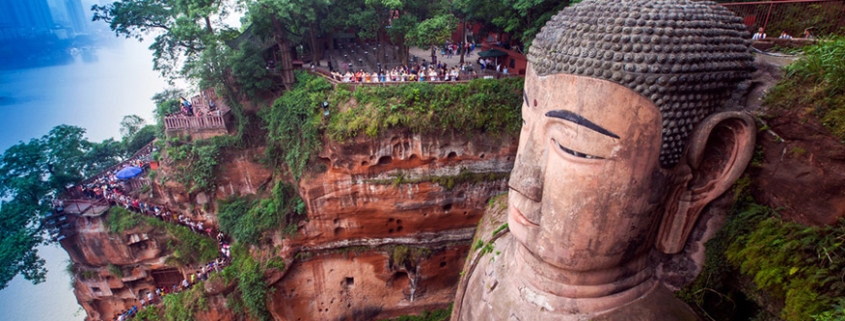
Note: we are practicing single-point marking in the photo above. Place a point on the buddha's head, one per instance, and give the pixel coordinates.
(628, 131)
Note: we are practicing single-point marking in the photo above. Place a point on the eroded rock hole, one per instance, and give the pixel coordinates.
(452, 155)
(447, 207)
(482, 156)
(399, 229)
(399, 280)
(390, 231)
(349, 281)
(443, 264)
(385, 160)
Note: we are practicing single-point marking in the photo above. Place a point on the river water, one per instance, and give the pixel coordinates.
(94, 93)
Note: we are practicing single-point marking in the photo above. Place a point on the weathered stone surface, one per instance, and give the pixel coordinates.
(366, 286)
(622, 148)
(800, 168)
(360, 197)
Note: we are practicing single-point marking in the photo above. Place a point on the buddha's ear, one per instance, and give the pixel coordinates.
(718, 151)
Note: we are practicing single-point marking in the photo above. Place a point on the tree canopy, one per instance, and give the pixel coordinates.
(31, 175)
(183, 29)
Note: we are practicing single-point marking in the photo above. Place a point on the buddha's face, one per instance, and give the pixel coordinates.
(587, 181)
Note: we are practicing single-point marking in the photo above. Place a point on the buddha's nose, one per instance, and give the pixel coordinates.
(527, 175)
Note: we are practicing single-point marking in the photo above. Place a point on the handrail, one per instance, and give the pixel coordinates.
(463, 79)
(146, 150)
(194, 122)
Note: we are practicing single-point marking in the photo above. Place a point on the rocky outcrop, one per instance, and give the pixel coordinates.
(388, 187)
(113, 272)
(800, 168)
(425, 192)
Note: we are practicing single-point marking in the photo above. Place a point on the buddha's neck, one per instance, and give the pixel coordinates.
(583, 291)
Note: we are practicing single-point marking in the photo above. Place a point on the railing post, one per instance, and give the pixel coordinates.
(766, 23)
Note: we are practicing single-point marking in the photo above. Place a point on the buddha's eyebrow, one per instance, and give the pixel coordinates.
(578, 119)
(525, 96)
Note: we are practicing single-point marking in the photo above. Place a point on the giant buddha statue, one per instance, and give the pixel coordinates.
(630, 128)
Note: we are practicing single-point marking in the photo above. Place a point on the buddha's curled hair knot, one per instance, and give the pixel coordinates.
(688, 57)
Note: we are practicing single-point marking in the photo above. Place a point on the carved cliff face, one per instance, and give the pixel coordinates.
(587, 180)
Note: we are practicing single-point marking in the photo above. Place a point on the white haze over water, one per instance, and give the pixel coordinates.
(94, 95)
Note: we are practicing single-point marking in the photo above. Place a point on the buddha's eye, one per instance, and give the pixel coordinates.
(574, 153)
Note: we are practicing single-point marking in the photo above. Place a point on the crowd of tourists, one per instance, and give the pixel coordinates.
(156, 296)
(450, 49)
(404, 73)
(187, 108)
(109, 188)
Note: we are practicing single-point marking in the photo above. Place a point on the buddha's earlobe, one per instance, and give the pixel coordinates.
(718, 151)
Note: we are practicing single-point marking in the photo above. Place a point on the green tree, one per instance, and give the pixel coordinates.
(167, 102)
(183, 29)
(143, 137)
(522, 19)
(31, 175)
(433, 32)
(284, 21)
(248, 67)
(130, 125)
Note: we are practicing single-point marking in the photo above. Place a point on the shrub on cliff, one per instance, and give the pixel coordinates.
(816, 82)
(188, 248)
(184, 305)
(480, 106)
(792, 267)
(197, 162)
(293, 122)
(251, 220)
(250, 295)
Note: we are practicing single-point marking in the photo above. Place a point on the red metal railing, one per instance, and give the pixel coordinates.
(822, 17)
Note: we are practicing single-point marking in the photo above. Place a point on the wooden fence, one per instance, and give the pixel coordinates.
(194, 122)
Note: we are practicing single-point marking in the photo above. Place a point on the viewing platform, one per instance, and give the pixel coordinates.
(464, 78)
(209, 119)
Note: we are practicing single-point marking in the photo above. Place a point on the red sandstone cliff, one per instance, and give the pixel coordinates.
(368, 199)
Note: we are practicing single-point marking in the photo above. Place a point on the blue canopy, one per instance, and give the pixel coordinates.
(129, 172)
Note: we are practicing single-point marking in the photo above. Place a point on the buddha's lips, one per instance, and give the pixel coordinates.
(519, 218)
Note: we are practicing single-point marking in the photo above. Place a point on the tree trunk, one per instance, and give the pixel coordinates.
(381, 46)
(208, 25)
(315, 50)
(286, 58)
(331, 42)
(463, 48)
(433, 53)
